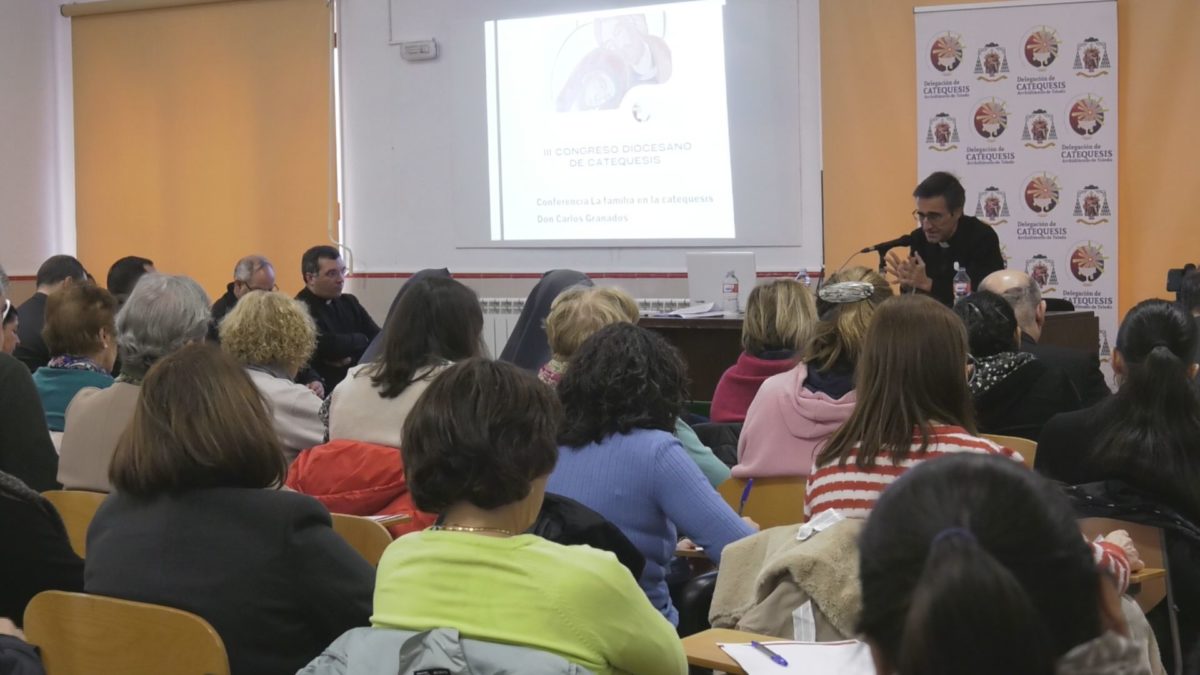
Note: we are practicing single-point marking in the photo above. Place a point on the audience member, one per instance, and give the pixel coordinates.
(1148, 434)
(376, 347)
(1014, 391)
(950, 585)
(124, 275)
(27, 452)
(162, 314)
(479, 446)
(1025, 296)
(527, 345)
(796, 411)
(574, 315)
(81, 337)
(37, 555)
(579, 312)
(914, 405)
(779, 318)
(10, 324)
(344, 328)
(437, 322)
(272, 336)
(197, 522)
(252, 273)
(618, 455)
(55, 274)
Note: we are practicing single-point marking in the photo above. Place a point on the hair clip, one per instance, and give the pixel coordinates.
(844, 292)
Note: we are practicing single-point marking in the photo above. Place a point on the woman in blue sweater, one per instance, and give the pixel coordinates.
(619, 457)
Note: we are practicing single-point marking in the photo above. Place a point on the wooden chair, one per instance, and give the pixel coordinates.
(1022, 446)
(77, 508)
(772, 501)
(364, 535)
(81, 634)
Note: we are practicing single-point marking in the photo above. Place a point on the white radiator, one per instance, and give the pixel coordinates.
(500, 316)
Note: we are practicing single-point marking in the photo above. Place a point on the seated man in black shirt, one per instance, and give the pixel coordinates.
(945, 236)
(344, 328)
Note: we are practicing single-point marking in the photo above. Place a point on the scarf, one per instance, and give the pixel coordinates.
(76, 363)
(992, 370)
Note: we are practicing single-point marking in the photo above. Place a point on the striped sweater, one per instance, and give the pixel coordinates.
(853, 491)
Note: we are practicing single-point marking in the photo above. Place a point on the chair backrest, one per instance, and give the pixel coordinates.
(364, 535)
(1150, 545)
(1022, 446)
(772, 501)
(77, 508)
(82, 634)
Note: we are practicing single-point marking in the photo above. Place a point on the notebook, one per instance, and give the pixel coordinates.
(812, 658)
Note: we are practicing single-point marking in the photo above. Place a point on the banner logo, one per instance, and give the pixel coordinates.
(946, 52)
(942, 133)
(1086, 115)
(1087, 262)
(1091, 58)
(1041, 270)
(1091, 206)
(1041, 47)
(991, 118)
(1039, 132)
(1042, 193)
(991, 206)
(991, 62)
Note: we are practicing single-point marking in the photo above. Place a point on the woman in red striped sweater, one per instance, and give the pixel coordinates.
(914, 405)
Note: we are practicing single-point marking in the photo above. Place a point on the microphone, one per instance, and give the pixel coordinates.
(905, 240)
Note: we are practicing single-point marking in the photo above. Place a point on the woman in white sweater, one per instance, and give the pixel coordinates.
(272, 336)
(438, 321)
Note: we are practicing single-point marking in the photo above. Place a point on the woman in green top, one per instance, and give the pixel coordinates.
(80, 333)
(478, 447)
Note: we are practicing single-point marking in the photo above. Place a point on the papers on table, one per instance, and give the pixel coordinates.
(812, 658)
(701, 310)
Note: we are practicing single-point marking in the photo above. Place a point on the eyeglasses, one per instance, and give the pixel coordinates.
(7, 308)
(933, 217)
(335, 273)
(971, 369)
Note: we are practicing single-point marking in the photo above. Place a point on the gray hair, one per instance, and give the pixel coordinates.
(3, 282)
(246, 267)
(1024, 299)
(162, 314)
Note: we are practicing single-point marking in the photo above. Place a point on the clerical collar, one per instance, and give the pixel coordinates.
(944, 244)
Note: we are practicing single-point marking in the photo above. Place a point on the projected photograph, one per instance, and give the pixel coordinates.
(620, 53)
(609, 125)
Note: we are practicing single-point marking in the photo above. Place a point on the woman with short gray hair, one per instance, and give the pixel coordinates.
(162, 314)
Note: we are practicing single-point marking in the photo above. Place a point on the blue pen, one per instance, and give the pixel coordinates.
(779, 660)
(745, 496)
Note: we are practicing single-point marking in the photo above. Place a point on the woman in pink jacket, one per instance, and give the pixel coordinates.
(796, 411)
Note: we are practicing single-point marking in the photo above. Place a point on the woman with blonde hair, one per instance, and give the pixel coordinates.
(273, 336)
(197, 521)
(779, 318)
(796, 411)
(574, 315)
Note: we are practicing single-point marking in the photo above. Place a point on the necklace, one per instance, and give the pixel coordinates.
(464, 528)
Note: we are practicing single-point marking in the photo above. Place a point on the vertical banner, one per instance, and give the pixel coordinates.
(1019, 100)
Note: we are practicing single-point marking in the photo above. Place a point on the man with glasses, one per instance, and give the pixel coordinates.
(252, 273)
(945, 236)
(344, 328)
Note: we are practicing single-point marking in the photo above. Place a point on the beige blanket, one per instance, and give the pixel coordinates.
(767, 577)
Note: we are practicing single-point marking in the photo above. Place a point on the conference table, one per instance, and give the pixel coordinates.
(709, 346)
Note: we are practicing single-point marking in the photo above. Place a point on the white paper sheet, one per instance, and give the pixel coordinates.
(810, 658)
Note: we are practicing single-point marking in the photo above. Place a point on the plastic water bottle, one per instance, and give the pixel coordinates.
(962, 283)
(803, 277)
(729, 293)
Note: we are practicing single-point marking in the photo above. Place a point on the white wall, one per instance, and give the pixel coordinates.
(37, 207)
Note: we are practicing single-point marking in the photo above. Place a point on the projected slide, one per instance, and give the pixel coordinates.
(609, 125)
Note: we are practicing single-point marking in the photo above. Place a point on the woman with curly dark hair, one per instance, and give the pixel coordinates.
(619, 457)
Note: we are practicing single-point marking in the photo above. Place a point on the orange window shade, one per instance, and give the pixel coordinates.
(202, 134)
